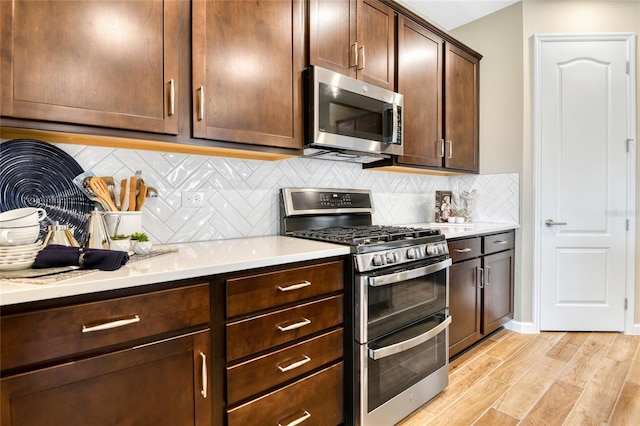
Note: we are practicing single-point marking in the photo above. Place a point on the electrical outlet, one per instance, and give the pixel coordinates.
(192, 198)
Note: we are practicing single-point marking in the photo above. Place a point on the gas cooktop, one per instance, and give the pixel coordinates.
(365, 234)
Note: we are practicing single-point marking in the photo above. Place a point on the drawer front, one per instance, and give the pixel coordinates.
(266, 372)
(262, 332)
(263, 291)
(315, 400)
(54, 333)
(464, 249)
(498, 242)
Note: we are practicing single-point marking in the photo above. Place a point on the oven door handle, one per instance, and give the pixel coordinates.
(409, 343)
(408, 274)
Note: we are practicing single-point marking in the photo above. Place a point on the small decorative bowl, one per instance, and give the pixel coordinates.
(120, 245)
(141, 247)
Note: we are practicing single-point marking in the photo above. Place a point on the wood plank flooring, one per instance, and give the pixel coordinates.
(551, 378)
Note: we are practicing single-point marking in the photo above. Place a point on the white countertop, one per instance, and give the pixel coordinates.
(192, 260)
(200, 259)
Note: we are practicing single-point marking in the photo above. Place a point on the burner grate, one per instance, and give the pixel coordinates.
(366, 234)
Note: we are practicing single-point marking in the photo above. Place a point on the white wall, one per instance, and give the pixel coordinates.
(537, 17)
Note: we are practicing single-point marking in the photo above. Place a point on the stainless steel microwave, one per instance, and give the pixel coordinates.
(350, 118)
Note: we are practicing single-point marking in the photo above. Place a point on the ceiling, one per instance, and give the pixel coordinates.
(450, 14)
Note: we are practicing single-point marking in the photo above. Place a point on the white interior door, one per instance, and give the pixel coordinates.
(583, 99)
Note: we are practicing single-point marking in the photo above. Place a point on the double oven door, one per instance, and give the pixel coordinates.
(401, 349)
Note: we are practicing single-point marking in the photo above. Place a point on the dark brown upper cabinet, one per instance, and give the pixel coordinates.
(439, 82)
(354, 38)
(248, 59)
(102, 63)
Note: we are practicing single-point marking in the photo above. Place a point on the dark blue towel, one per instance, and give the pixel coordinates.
(58, 255)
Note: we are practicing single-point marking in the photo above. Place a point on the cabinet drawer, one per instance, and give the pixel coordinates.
(263, 291)
(54, 333)
(262, 332)
(317, 398)
(498, 242)
(464, 249)
(259, 374)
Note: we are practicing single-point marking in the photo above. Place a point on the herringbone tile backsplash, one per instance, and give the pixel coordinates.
(241, 196)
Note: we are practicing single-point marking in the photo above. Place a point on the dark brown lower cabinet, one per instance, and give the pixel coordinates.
(480, 288)
(162, 383)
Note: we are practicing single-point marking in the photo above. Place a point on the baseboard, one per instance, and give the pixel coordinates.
(521, 327)
(635, 330)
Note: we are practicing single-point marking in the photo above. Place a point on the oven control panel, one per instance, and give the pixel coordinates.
(398, 256)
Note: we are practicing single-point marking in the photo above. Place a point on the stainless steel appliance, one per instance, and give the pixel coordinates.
(397, 315)
(348, 119)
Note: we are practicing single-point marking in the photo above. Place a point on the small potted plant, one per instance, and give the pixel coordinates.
(140, 243)
(120, 243)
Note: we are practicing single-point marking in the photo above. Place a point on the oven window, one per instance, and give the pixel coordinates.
(349, 114)
(389, 376)
(394, 306)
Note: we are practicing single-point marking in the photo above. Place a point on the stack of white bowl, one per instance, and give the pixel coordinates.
(19, 231)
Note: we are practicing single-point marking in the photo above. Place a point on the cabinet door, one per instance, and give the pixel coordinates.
(420, 81)
(461, 109)
(332, 35)
(376, 43)
(102, 63)
(498, 290)
(164, 383)
(248, 60)
(464, 305)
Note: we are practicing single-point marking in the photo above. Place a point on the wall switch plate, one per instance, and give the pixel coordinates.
(193, 198)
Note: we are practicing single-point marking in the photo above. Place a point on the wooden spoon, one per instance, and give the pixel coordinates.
(133, 185)
(141, 196)
(100, 188)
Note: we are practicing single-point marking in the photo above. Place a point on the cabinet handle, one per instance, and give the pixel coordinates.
(441, 143)
(303, 284)
(464, 250)
(450, 149)
(362, 58)
(354, 55)
(108, 324)
(488, 268)
(480, 284)
(500, 242)
(295, 325)
(201, 104)
(297, 421)
(203, 391)
(172, 97)
(294, 365)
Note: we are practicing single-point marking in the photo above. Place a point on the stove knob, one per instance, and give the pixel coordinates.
(411, 253)
(432, 249)
(391, 257)
(444, 248)
(378, 260)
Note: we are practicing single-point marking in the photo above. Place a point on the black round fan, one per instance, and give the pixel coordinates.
(38, 174)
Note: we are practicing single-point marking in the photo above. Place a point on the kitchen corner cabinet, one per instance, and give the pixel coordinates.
(480, 287)
(114, 361)
(284, 345)
(106, 63)
(440, 83)
(354, 38)
(247, 60)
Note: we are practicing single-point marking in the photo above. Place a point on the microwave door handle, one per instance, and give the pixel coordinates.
(408, 274)
(394, 135)
(409, 343)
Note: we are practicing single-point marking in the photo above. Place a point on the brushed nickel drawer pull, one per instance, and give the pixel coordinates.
(108, 324)
(354, 54)
(172, 97)
(464, 250)
(303, 284)
(361, 67)
(441, 143)
(450, 149)
(205, 377)
(488, 268)
(500, 242)
(295, 325)
(305, 416)
(201, 104)
(294, 365)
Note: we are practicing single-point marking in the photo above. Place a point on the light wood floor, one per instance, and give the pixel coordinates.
(544, 379)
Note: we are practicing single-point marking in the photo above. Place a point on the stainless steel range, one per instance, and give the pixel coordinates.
(397, 315)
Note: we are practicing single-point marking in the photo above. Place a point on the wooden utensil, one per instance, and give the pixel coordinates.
(101, 190)
(141, 196)
(133, 185)
(124, 197)
(111, 184)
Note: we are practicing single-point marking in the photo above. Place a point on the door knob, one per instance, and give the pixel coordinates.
(550, 222)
